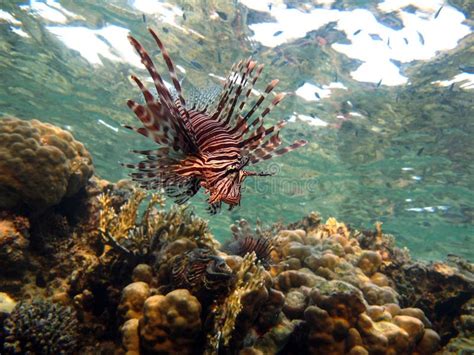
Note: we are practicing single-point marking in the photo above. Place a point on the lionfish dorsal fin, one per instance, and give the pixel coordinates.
(162, 118)
(163, 92)
(170, 65)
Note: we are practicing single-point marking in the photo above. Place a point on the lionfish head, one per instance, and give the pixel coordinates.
(227, 189)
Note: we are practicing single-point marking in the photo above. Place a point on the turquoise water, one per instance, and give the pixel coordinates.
(383, 94)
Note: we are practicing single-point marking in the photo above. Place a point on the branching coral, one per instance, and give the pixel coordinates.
(332, 226)
(123, 230)
(41, 327)
(226, 313)
(139, 237)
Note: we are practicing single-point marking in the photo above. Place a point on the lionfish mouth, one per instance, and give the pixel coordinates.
(199, 140)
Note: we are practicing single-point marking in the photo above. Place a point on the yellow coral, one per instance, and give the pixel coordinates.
(228, 311)
(115, 227)
(169, 225)
(332, 226)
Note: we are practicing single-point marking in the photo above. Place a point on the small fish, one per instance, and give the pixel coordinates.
(437, 12)
(451, 87)
(388, 43)
(406, 41)
(165, 29)
(336, 77)
(222, 15)
(467, 69)
(275, 59)
(270, 7)
(105, 40)
(277, 33)
(317, 95)
(184, 16)
(357, 32)
(144, 18)
(379, 83)
(420, 151)
(196, 65)
(375, 37)
(422, 39)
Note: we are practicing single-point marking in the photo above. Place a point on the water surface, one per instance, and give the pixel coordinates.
(383, 93)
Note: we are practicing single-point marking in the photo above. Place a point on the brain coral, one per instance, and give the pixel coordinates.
(39, 164)
(170, 324)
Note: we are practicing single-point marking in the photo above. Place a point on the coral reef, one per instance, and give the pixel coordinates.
(237, 311)
(146, 278)
(171, 323)
(463, 343)
(440, 289)
(201, 272)
(245, 241)
(41, 327)
(14, 243)
(40, 164)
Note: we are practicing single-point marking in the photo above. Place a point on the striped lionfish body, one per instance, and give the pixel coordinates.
(202, 147)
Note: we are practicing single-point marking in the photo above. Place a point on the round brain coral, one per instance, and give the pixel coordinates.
(39, 164)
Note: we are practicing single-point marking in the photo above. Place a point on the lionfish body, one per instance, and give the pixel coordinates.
(201, 147)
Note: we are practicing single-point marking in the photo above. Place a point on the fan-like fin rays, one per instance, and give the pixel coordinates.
(200, 148)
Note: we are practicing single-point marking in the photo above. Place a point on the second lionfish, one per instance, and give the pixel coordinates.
(199, 146)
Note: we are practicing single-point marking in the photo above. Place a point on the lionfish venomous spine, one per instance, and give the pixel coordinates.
(200, 146)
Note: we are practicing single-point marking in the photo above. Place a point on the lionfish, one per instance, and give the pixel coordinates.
(200, 146)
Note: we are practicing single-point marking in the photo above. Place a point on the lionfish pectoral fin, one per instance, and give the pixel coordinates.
(214, 208)
(258, 173)
(183, 191)
(267, 153)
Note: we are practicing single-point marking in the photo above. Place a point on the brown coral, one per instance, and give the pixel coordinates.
(39, 164)
(171, 324)
(14, 242)
(133, 298)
